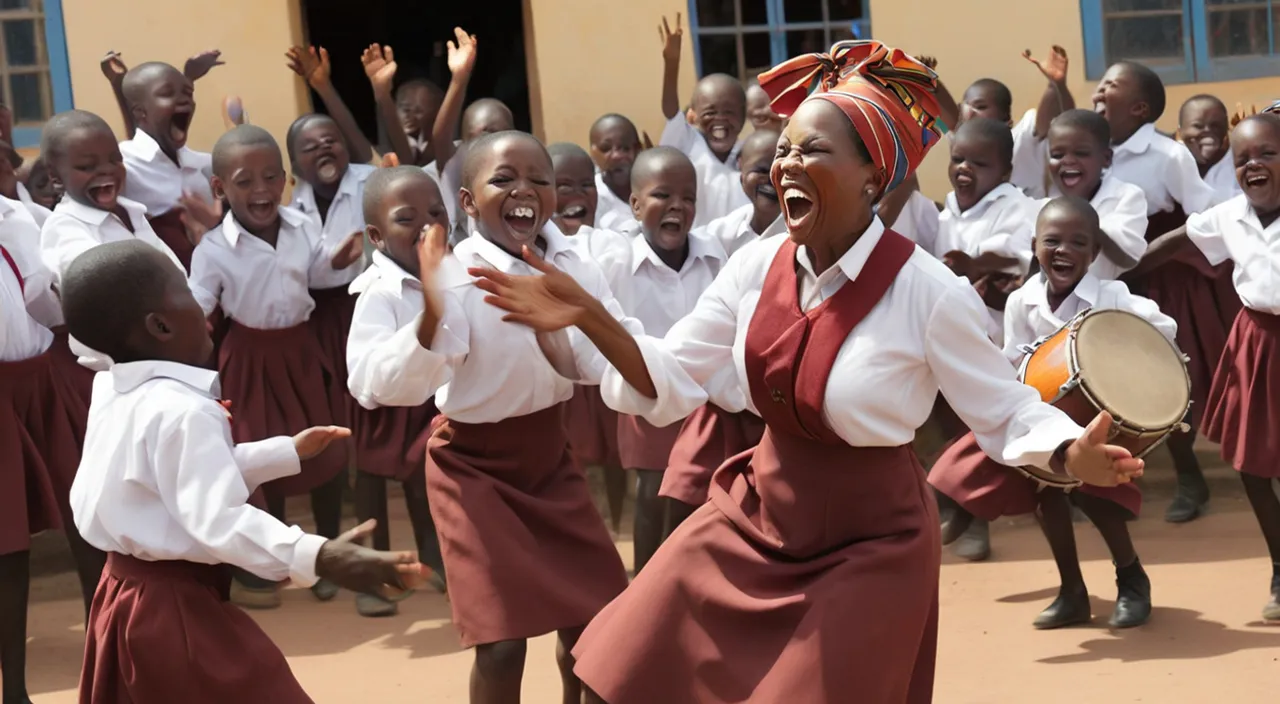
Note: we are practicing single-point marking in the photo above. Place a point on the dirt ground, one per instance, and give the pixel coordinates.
(1205, 640)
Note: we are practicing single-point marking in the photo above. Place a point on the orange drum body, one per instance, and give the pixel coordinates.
(1114, 361)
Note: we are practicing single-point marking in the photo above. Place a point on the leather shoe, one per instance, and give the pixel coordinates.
(1069, 609)
(974, 544)
(1133, 602)
(1187, 505)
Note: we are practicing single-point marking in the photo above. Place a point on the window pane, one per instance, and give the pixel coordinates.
(1110, 6)
(20, 42)
(715, 13)
(15, 4)
(755, 12)
(1237, 31)
(842, 32)
(802, 10)
(757, 53)
(719, 54)
(805, 41)
(1154, 39)
(844, 9)
(28, 102)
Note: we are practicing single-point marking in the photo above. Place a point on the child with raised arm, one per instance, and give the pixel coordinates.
(408, 112)
(710, 140)
(163, 489)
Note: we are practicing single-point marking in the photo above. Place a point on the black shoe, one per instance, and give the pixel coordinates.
(1271, 612)
(1133, 602)
(324, 590)
(974, 544)
(1188, 504)
(955, 524)
(1069, 609)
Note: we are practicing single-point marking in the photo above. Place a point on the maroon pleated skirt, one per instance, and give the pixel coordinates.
(42, 422)
(989, 490)
(391, 442)
(173, 233)
(642, 445)
(276, 381)
(68, 366)
(1243, 413)
(164, 632)
(708, 437)
(331, 323)
(524, 546)
(592, 428)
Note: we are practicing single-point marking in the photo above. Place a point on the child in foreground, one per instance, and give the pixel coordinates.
(164, 490)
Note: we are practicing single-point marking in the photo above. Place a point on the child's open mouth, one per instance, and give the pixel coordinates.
(574, 212)
(1100, 107)
(327, 169)
(1071, 177)
(179, 124)
(103, 194)
(1256, 180)
(672, 224)
(261, 209)
(1062, 266)
(522, 220)
(963, 180)
(718, 132)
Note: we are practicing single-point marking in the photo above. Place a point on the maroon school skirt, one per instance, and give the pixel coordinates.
(275, 380)
(989, 490)
(68, 366)
(42, 423)
(164, 632)
(173, 233)
(592, 428)
(331, 322)
(391, 442)
(642, 445)
(1243, 413)
(708, 437)
(524, 546)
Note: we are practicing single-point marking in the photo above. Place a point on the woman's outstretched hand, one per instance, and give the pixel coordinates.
(546, 302)
(1091, 460)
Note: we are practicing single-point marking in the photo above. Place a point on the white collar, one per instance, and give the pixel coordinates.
(97, 216)
(1087, 290)
(231, 228)
(699, 248)
(852, 261)
(1239, 210)
(304, 194)
(130, 375)
(1003, 190)
(478, 246)
(146, 147)
(1140, 141)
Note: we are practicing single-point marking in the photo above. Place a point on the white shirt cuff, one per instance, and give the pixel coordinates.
(1036, 447)
(305, 552)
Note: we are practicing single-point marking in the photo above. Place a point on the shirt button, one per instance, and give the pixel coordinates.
(778, 397)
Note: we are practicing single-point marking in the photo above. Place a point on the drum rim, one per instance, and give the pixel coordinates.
(1077, 379)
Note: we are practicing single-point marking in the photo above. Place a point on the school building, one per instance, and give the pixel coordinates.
(562, 63)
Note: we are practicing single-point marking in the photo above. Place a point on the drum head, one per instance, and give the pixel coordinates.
(1131, 370)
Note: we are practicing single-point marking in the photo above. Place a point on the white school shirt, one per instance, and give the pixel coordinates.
(1232, 231)
(75, 228)
(38, 212)
(1122, 214)
(259, 286)
(1028, 317)
(1002, 221)
(24, 332)
(719, 182)
(732, 231)
(160, 478)
(1164, 170)
(480, 368)
(449, 180)
(613, 213)
(598, 242)
(1221, 177)
(918, 221)
(1030, 157)
(654, 293)
(927, 333)
(346, 215)
(156, 182)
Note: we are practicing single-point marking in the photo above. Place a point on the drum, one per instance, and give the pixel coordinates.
(1114, 361)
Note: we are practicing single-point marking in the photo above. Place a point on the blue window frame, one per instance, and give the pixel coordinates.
(1185, 41)
(744, 37)
(35, 78)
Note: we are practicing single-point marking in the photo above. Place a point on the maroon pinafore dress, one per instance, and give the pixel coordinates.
(708, 437)
(812, 574)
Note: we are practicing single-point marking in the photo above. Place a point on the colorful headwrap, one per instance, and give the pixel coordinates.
(888, 96)
(1273, 108)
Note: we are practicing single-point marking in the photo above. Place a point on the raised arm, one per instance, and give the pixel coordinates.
(313, 67)
(671, 45)
(114, 69)
(462, 60)
(948, 109)
(1057, 96)
(380, 66)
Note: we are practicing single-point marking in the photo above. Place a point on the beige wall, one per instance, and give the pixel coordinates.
(252, 35)
(987, 38)
(591, 57)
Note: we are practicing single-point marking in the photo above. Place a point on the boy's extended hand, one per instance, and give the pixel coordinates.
(1054, 68)
(349, 252)
(380, 66)
(462, 54)
(313, 66)
(314, 440)
(200, 64)
(113, 67)
(389, 574)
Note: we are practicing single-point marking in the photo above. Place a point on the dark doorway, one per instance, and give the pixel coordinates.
(418, 30)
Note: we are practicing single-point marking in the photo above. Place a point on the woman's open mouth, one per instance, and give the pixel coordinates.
(797, 204)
